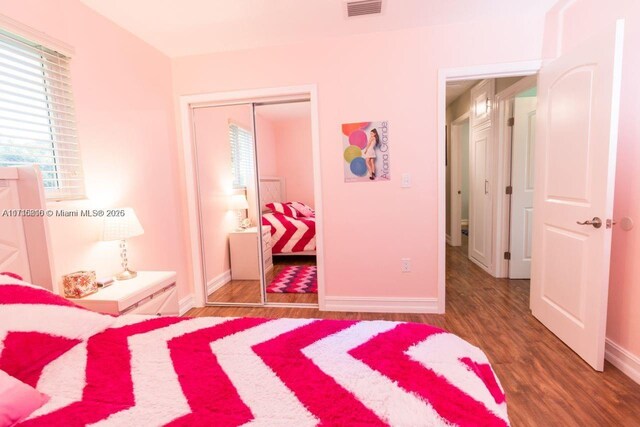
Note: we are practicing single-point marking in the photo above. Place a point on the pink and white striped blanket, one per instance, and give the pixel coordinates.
(150, 371)
(290, 235)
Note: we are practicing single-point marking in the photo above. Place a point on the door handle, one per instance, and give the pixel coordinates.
(485, 187)
(596, 222)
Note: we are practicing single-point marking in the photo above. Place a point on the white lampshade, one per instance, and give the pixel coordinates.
(238, 202)
(122, 227)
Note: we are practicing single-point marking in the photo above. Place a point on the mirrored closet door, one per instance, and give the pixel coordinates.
(254, 173)
(285, 158)
(228, 203)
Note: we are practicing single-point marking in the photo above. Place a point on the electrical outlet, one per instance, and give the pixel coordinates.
(406, 180)
(405, 265)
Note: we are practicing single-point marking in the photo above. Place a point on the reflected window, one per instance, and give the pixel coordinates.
(241, 155)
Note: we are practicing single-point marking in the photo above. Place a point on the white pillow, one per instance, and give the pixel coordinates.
(304, 210)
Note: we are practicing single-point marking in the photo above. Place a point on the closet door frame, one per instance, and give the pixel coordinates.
(187, 103)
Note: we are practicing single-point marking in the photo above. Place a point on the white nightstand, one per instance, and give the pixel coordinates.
(243, 245)
(151, 292)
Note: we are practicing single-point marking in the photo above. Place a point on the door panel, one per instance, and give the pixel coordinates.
(569, 118)
(522, 182)
(564, 281)
(577, 121)
(480, 197)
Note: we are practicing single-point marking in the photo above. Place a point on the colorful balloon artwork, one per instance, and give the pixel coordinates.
(348, 128)
(351, 152)
(358, 166)
(357, 141)
(358, 138)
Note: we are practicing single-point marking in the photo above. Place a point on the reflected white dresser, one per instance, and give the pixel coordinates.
(150, 292)
(243, 246)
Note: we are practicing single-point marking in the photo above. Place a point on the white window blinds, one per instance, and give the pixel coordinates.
(37, 121)
(241, 155)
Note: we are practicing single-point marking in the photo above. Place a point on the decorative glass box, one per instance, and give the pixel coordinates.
(80, 284)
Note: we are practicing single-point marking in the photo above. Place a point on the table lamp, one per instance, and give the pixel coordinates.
(122, 228)
(239, 203)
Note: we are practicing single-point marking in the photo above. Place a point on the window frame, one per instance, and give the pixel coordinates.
(25, 58)
(236, 185)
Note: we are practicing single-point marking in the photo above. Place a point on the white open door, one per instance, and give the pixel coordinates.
(577, 122)
(522, 184)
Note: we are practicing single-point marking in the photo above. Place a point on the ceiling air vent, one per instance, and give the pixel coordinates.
(363, 7)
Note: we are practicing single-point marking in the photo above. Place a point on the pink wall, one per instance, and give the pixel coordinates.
(380, 76)
(284, 149)
(266, 142)
(126, 129)
(582, 19)
(295, 158)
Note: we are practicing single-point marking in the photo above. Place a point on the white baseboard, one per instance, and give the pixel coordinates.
(219, 281)
(623, 359)
(464, 222)
(381, 304)
(186, 304)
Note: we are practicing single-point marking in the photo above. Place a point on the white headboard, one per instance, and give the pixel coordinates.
(24, 239)
(272, 189)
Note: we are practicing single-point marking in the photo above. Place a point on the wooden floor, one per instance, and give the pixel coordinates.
(248, 291)
(545, 382)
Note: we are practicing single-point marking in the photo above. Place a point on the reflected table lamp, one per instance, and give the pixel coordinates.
(122, 228)
(239, 204)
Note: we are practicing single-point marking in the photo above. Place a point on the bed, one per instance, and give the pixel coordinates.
(290, 235)
(86, 368)
(103, 370)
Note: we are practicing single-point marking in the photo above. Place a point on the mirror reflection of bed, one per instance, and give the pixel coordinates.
(292, 239)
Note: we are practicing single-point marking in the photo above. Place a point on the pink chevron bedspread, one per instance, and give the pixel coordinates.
(290, 235)
(150, 371)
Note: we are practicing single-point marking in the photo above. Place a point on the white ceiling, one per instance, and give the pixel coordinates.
(455, 89)
(189, 27)
(281, 112)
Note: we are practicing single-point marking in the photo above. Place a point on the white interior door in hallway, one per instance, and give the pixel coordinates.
(480, 166)
(522, 182)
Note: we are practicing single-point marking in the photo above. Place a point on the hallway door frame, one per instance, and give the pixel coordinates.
(504, 108)
(480, 72)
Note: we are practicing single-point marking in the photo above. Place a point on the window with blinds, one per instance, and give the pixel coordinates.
(37, 121)
(241, 155)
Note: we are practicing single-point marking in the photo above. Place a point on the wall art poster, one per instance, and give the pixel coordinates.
(366, 151)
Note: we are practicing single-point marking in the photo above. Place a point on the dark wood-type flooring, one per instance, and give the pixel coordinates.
(545, 382)
(248, 291)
